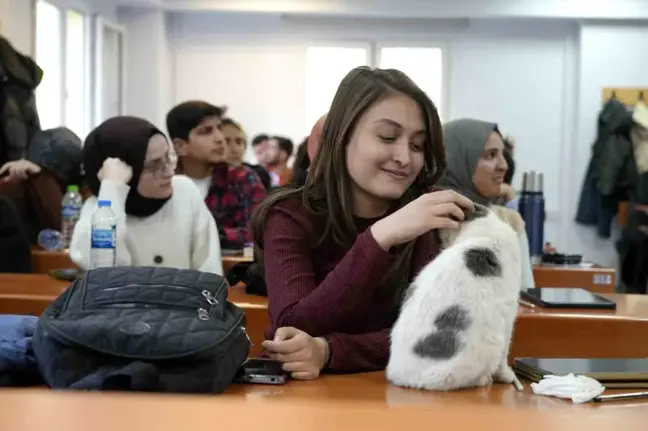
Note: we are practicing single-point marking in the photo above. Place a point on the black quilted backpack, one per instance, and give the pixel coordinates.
(142, 329)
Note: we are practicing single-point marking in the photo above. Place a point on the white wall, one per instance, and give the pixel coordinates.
(521, 75)
(16, 24)
(149, 67)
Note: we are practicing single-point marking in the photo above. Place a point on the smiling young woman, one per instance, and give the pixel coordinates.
(476, 168)
(339, 251)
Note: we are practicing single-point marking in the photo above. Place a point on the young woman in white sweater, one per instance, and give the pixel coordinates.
(161, 218)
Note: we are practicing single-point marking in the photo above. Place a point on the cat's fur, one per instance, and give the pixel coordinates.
(455, 325)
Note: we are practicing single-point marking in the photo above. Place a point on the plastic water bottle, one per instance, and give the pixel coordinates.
(71, 206)
(103, 237)
(50, 240)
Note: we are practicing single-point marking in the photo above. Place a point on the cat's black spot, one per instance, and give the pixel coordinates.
(482, 262)
(479, 212)
(443, 344)
(453, 318)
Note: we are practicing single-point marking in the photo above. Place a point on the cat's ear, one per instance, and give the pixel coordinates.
(479, 212)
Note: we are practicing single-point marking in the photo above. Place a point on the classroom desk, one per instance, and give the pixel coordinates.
(348, 402)
(31, 293)
(600, 280)
(595, 279)
(44, 261)
(538, 332)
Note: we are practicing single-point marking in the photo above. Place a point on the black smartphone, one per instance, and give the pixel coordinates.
(262, 371)
(67, 274)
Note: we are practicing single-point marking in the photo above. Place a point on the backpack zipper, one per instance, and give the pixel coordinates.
(245, 332)
(203, 313)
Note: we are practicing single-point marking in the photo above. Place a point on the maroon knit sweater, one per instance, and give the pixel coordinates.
(330, 290)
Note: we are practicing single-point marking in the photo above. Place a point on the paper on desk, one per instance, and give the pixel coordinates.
(580, 389)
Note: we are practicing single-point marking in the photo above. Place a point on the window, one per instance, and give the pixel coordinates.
(423, 65)
(61, 51)
(326, 66)
(49, 56)
(76, 106)
(109, 96)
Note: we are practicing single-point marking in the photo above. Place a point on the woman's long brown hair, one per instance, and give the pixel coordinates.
(327, 192)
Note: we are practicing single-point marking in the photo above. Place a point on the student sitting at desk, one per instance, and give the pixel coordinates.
(476, 169)
(339, 252)
(231, 194)
(36, 184)
(161, 218)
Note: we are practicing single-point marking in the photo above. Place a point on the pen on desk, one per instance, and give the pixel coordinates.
(615, 397)
(526, 303)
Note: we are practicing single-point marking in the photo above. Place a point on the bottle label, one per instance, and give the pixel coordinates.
(71, 211)
(103, 238)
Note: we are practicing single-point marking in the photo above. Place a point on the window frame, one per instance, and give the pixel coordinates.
(445, 64)
(63, 48)
(374, 47)
(87, 55)
(99, 24)
(64, 8)
(368, 46)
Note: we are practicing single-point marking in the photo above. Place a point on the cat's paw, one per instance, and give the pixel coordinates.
(505, 374)
(484, 381)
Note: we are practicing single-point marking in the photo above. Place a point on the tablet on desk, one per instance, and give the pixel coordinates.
(566, 297)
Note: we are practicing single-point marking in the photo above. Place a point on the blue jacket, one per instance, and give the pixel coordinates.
(18, 365)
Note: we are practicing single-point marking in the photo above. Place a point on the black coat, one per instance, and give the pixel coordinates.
(19, 77)
(15, 251)
(612, 173)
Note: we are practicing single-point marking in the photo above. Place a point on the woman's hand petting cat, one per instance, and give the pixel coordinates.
(301, 355)
(115, 170)
(436, 210)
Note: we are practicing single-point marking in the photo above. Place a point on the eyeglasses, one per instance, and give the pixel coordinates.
(160, 167)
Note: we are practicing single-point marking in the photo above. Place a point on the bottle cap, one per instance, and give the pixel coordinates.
(104, 204)
(72, 189)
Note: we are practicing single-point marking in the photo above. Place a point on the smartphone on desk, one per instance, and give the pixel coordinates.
(262, 371)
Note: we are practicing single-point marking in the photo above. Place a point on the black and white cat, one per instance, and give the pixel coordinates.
(455, 325)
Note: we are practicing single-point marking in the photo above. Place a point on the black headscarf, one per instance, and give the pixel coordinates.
(125, 138)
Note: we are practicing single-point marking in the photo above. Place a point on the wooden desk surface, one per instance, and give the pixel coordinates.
(44, 261)
(31, 293)
(584, 333)
(349, 402)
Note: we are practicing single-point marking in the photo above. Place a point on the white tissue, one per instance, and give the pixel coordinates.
(580, 389)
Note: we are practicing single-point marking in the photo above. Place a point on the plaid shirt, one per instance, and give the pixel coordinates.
(233, 195)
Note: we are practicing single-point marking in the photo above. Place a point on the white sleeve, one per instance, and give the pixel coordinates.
(525, 260)
(206, 250)
(116, 193)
